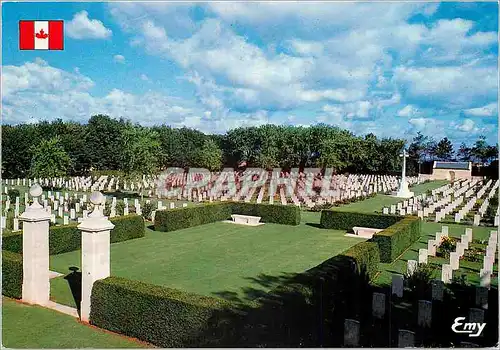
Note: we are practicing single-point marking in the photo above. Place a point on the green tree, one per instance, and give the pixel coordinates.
(103, 142)
(209, 156)
(464, 153)
(140, 149)
(49, 159)
(444, 149)
(483, 152)
(416, 152)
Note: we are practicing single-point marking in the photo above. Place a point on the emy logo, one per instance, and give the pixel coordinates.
(474, 329)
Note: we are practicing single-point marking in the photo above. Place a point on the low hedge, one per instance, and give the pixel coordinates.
(162, 316)
(68, 238)
(180, 218)
(271, 213)
(345, 220)
(395, 239)
(367, 257)
(12, 274)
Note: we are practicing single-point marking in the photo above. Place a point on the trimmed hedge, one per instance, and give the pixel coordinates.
(276, 214)
(12, 274)
(180, 218)
(345, 220)
(162, 316)
(367, 257)
(395, 239)
(68, 238)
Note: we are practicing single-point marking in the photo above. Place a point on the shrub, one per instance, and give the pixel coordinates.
(68, 238)
(147, 209)
(420, 280)
(320, 207)
(446, 247)
(120, 207)
(12, 274)
(162, 316)
(395, 239)
(344, 220)
(13, 193)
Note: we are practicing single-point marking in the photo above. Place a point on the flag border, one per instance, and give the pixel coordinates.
(35, 20)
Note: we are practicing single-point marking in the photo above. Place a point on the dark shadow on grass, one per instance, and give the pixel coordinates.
(75, 284)
(314, 224)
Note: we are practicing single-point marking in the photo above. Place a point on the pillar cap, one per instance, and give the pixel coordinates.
(96, 221)
(35, 212)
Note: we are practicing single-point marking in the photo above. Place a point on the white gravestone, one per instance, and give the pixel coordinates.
(411, 267)
(422, 256)
(397, 285)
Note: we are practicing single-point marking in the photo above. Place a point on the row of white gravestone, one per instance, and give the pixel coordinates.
(467, 188)
(353, 186)
(489, 260)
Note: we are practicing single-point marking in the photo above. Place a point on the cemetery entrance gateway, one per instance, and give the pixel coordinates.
(95, 253)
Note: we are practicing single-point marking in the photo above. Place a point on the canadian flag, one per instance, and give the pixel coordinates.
(41, 35)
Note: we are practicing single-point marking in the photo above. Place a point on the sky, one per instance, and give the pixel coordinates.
(387, 68)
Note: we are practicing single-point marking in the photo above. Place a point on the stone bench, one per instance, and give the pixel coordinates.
(365, 232)
(246, 219)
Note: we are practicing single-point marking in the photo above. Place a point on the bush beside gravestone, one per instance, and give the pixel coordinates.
(67, 238)
(344, 220)
(162, 316)
(12, 274)
(395, 239)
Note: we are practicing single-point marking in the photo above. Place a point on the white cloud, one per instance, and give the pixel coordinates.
(39, 76)
(144, 77)
(353, 110)
(407, 111)
(420, 123)
(82, 27)
(455, 86)
(467, 125)
(36, 88)
(489, 110)
(303, 47)
(119, 58)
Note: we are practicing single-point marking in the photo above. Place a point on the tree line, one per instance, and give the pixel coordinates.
(57, 148)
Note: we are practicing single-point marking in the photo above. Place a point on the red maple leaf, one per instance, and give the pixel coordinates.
(42, 34)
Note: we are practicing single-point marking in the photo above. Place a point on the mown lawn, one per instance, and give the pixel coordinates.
(218, 259)
(377, 203)
(429, 229)
(32, 327)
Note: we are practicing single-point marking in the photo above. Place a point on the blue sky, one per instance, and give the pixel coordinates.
(391, 69)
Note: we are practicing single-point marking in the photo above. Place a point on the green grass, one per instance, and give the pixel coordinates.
(218, 259)
(26, 326)
(377, 203)
(429, 229)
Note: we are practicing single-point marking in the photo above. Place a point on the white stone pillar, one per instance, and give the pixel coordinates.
(36, 286)
(95, 251)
